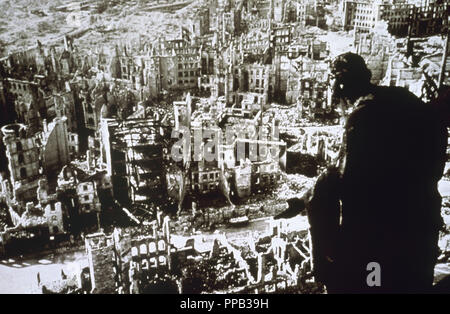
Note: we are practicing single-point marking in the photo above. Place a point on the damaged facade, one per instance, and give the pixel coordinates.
(237, 168)
(159, 260)
(403, 18)
(241, 94)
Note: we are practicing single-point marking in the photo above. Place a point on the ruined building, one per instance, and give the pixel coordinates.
(236, 150)
(403, 18)
(23, 161)
(118, 261)
(132, 151)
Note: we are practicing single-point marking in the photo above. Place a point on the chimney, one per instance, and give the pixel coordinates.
(166, 228)
(260, 276)
(159, 218)
(88, 160)
(66, 43)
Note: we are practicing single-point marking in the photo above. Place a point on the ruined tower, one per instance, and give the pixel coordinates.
(99, 249)
(23, 161)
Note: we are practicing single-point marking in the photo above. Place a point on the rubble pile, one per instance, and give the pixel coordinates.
(63, 286)
(290, 119)
(164, 284)
(211, 218)
(257, 206)
(5, 220)
(29, 220)
(206, 275)
(288, 116)
(295, 185)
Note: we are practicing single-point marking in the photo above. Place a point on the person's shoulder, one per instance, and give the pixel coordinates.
(441, 105)
(397, 93)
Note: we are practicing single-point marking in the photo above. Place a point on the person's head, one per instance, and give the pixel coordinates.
(349, 76)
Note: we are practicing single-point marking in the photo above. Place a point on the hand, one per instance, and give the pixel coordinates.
(295, 207)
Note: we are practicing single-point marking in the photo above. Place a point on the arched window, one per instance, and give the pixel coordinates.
(143, 249)
(21, 159)
(19, 146)
(152, 247)
(161, 245)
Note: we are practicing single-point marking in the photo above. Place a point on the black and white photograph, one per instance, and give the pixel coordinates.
(236, 148)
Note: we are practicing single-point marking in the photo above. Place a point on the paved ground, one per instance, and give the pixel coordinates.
(20, 276)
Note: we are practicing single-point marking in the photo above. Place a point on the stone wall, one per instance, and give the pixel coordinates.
(99, 249)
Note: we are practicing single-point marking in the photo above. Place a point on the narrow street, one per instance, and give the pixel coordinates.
(19, 276)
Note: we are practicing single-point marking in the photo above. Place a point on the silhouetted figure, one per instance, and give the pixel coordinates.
(63, 275)
(380, 203)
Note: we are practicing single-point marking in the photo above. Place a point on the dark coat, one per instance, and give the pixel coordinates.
(394, 155)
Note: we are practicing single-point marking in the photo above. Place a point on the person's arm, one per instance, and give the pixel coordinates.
(295, 207)
(325, 187)
(441, 105)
